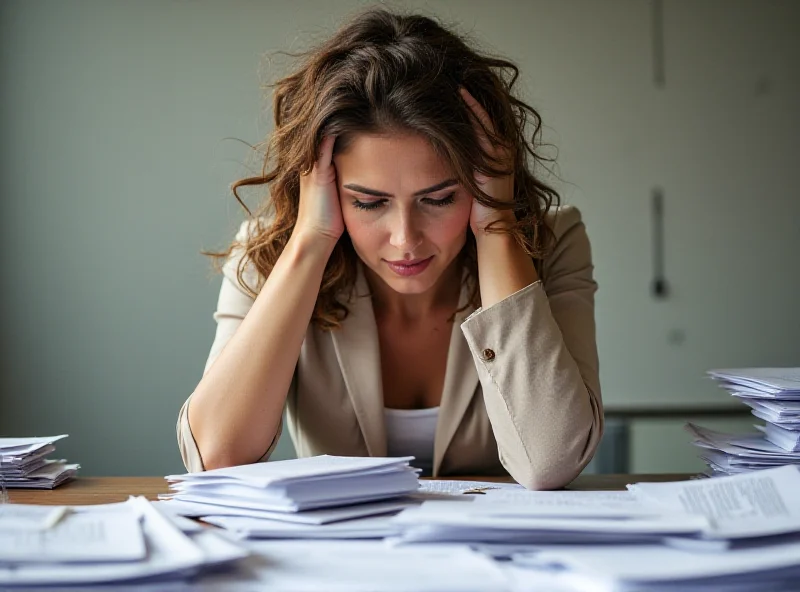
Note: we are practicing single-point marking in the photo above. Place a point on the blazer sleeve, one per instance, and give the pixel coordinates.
(536, 358)
(233, 305)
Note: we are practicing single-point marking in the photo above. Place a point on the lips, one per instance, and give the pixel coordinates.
(409, 268)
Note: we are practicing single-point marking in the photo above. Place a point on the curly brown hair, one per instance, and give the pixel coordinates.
(385, 72)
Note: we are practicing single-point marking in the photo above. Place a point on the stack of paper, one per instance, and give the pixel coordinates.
(752, 541)
(532, 517)
(752, 505)
(115, 543)
(774, 396)
(370, 520)
(359, 521)
(731, 454)
(23, 463)
(275, 490)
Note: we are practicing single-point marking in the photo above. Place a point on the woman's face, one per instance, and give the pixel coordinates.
(404, 211)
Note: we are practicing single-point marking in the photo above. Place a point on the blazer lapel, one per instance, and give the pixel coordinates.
(460, 382)
(357, 350)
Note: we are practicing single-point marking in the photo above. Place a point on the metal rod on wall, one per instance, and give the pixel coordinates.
(657, 23)
(660, 287)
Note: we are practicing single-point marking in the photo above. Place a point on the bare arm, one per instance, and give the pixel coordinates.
(236, 409)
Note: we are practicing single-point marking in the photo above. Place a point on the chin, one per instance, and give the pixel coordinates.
(414, 285)
(411, 285)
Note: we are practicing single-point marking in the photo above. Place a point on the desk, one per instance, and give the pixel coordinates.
(104, 490)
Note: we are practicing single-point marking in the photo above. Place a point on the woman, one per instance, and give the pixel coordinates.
(409, 288)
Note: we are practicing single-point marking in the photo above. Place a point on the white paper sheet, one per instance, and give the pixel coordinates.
(754, 504)
(323, 516)
(16, 517)
(752, 446)
(359, 566)
(283, 471)
(654, 563)
(455, 487)
(82, 537)
(768, 379)
(168, 552)
(373, 527)
(476, 522)
(22, 446)
(566, 504)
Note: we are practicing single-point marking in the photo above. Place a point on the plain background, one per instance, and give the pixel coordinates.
(122, 126)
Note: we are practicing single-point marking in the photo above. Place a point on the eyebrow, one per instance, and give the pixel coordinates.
(376, 193)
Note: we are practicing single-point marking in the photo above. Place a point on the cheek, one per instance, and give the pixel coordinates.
(452, 227)
(363, 234)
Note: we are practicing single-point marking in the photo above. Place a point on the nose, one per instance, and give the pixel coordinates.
(405, 234)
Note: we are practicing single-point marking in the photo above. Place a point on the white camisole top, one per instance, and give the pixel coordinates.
(410, 432)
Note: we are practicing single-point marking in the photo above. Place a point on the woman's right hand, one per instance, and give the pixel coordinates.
(320, 214)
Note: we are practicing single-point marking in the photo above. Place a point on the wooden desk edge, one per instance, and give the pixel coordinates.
(105, 490)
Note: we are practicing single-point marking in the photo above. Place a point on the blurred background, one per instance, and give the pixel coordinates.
(122, 125)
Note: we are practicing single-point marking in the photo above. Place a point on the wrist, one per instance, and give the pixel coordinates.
(500, 222)
(303, 244)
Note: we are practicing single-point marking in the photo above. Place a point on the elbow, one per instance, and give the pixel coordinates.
(559, 466)
(220, 459)
(201, 454)
(225, 456)
(221, 454)
(546, 476)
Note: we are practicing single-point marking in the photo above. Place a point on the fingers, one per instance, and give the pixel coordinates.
(324, 157)
(323, 170)
(325, 152)
(477, 110)
(481, 120)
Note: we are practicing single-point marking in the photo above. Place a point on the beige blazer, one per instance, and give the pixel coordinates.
(521, 391)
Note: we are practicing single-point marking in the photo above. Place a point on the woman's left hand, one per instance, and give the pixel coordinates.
(499, 188)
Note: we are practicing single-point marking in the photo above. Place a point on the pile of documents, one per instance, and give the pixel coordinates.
(124, 543)
(366, 520)
(734, 533)
(23, 463)
(543, 517)
(751, 541)
(774, 396)
(317, 497)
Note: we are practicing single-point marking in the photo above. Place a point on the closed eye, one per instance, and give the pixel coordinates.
(368, 205)
(444, 201)
(378, 203)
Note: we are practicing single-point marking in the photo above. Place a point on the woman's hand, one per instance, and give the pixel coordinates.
(320, 213)
(503, 265)
(500, 188)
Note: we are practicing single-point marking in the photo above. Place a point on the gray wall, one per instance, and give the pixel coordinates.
(116, 165)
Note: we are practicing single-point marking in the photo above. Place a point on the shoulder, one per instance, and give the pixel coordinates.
(571, 250)
(250, 229)
(238, 267)
(562, 220)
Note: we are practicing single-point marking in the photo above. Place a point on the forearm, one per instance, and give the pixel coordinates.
(236, 408)
(540, 379)
(545, 415)
(503, 267)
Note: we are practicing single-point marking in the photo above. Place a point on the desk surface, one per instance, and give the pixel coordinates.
(103, 490)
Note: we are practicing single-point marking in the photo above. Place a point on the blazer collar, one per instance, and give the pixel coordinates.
(358, 352)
